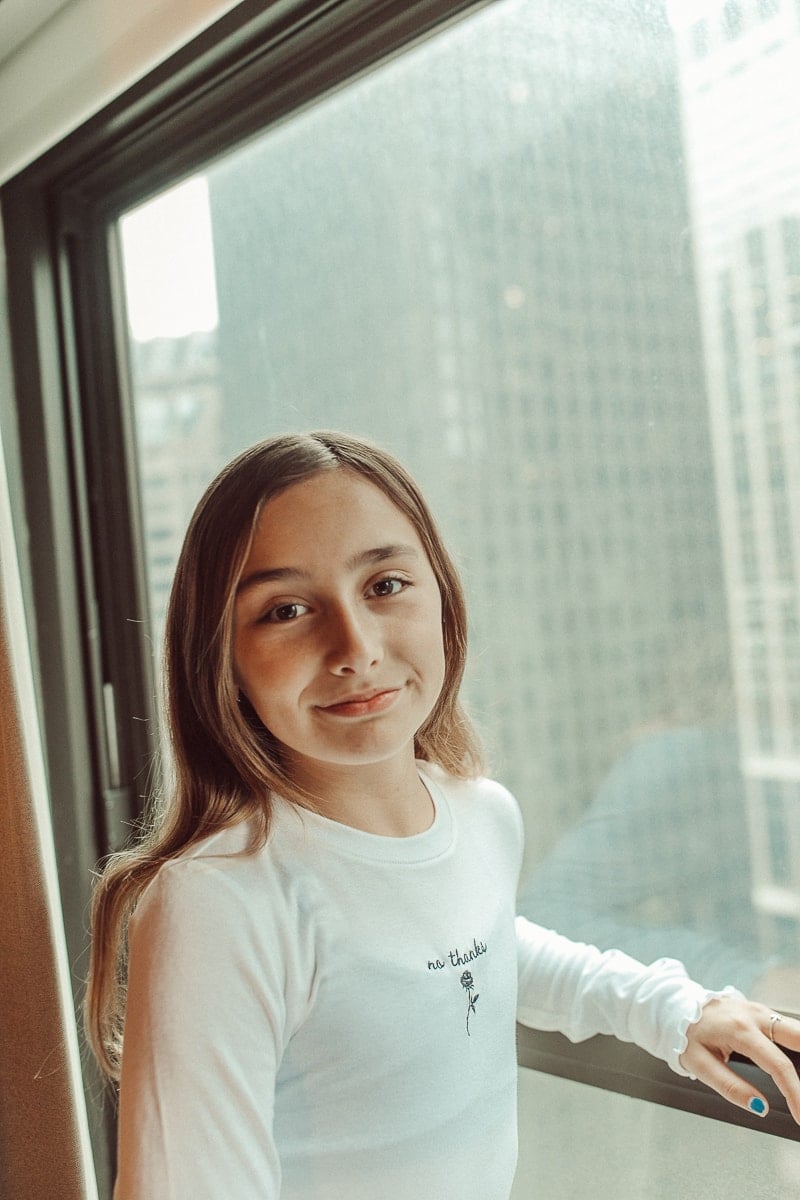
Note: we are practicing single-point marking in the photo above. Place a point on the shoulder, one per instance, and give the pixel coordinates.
(216, 931)
(480, 793)
(223, 911)
(482, 805)
(223, 883)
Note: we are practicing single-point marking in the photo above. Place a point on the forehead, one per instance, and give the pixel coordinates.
(335, 512)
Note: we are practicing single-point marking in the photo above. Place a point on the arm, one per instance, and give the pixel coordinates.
(203, 1040)
(581, 991)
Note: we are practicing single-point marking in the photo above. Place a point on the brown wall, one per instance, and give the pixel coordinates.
(39, 1138)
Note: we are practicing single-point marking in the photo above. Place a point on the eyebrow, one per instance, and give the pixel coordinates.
(364, 558)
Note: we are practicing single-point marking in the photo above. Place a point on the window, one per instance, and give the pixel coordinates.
(331, 296)
(488, 253)
(700, 38)
(732, 20)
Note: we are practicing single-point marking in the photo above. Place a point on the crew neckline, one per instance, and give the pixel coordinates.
(358, 843)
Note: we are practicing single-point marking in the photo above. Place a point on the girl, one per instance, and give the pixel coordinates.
(323, 965)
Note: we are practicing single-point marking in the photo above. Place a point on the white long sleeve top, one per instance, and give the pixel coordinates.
(332, 1016)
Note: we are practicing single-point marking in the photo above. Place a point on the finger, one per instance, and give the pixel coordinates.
(785, 1032)
(715, 1074)
(768, 1055)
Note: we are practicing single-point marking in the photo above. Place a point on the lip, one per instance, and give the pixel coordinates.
(364, 704)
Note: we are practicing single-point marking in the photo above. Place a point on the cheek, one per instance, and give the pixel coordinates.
(437, 658)
(268, 670)
(242, 662)
(253, 666)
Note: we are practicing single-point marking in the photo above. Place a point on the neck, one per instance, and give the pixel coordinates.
(388, 799)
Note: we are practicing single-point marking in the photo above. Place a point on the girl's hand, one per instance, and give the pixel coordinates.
(730, 1023)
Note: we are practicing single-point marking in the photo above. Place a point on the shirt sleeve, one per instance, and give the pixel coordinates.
(580, 991)
(204, 1034)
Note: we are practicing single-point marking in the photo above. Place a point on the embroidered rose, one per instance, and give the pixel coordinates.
(468, 984)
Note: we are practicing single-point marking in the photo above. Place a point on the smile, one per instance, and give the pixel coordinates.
(363, 705)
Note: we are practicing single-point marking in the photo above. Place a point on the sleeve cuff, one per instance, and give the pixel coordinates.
(695, 1006)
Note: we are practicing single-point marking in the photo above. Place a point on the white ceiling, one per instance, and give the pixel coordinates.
(20, 18)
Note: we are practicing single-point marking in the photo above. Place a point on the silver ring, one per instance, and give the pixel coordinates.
(773, 1021)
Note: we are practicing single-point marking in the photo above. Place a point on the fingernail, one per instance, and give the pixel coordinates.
(758, 1106)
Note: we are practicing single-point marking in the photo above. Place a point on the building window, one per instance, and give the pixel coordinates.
(700, 38)
(732, 19)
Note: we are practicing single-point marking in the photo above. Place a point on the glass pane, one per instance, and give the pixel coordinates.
(551, 258)
(628, 1148)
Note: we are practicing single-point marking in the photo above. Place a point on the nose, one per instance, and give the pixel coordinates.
(354, 641)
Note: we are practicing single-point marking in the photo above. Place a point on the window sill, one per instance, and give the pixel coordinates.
(616, 1066)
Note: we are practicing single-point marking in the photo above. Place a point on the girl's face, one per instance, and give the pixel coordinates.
(338, 627)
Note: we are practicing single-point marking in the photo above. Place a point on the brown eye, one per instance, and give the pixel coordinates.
(390, 586)
(283, 613)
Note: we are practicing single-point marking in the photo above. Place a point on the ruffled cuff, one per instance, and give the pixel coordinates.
(697, 1004)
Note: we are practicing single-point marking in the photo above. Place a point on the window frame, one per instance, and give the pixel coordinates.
(71, 445)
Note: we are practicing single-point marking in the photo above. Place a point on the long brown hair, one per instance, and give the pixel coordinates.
(225, 763)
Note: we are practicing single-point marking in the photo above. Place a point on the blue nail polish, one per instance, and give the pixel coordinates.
(758, 1106)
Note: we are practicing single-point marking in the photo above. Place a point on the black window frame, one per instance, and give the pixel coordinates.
(70, 443)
